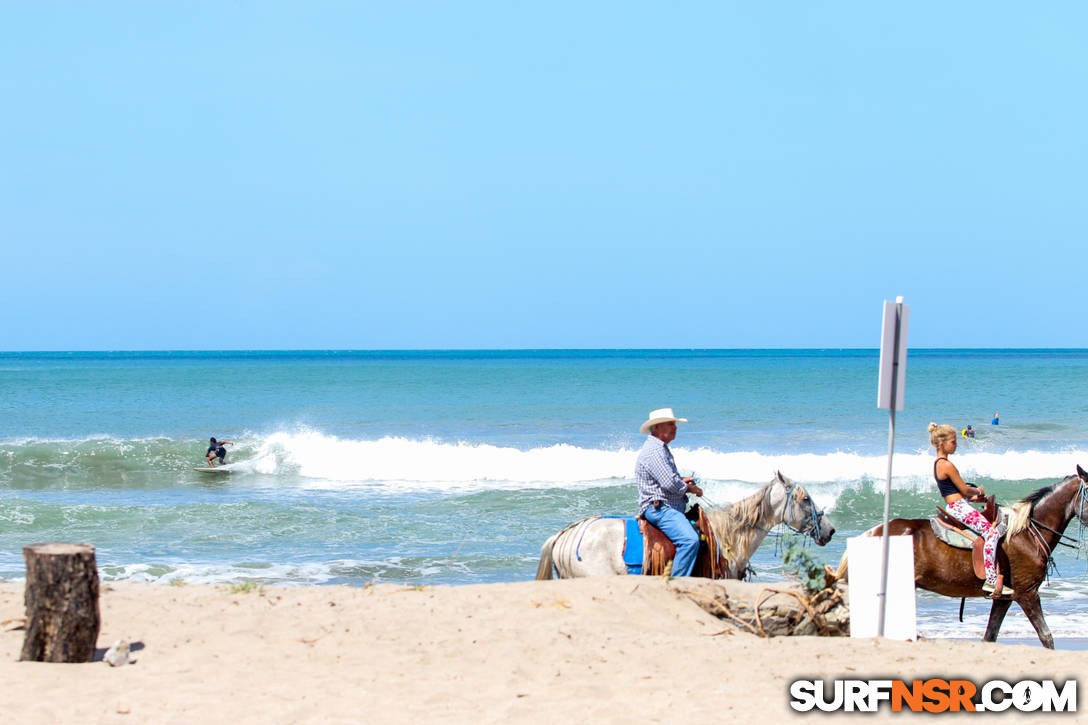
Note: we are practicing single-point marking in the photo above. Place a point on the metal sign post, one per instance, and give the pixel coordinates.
(893, 373)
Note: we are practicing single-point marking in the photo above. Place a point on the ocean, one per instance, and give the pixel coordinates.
(453, 467)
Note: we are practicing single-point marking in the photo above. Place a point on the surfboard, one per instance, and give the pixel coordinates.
(209, 469)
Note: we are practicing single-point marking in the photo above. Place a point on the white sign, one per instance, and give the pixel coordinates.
(893, 368)
(864, 554)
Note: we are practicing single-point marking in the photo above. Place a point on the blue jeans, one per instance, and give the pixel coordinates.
(680, 532)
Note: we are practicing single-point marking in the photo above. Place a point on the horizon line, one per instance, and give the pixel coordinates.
(531, 349)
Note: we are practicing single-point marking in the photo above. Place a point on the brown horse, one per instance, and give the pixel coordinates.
(1035, 528)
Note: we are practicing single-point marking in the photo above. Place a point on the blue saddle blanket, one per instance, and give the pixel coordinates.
(632, 544)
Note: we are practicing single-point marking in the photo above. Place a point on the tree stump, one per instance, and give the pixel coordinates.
(61, 603)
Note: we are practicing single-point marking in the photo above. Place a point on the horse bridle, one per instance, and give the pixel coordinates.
(1082, 492)
(814, 516)
(812, 527)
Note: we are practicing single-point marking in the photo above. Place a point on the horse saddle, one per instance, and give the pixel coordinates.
(659, 551)
(957, 534)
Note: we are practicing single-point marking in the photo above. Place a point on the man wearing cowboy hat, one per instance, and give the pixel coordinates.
(662, 492)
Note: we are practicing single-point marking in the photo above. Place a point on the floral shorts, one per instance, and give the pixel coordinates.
(965, 513)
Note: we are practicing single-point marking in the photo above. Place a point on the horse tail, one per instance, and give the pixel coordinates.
(840, 573)
(544, 571)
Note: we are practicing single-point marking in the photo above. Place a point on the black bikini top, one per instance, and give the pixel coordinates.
(944, 485)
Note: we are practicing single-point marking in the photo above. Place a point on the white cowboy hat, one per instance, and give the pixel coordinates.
(661, 415)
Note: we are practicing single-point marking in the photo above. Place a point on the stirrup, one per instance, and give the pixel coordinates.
(990, 588)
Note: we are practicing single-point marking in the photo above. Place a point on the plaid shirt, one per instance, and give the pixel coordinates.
(657, 477)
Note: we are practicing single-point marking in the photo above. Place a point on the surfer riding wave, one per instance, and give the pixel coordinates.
(216, 449)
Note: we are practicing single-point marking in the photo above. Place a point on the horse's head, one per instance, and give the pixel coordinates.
(796, 509)
(1080, 500)
(1037, 507)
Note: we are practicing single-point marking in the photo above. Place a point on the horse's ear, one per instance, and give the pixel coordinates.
(1081, 473)
(778, 476)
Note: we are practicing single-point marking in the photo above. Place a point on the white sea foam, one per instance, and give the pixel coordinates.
(207, 573)
(315, 455)
(89, 438)
(283, 574)
(17, 515)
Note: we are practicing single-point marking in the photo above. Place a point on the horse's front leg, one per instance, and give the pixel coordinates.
(998, 611)
(1034, 609)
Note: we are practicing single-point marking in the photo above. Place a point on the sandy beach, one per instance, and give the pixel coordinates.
(618, 649)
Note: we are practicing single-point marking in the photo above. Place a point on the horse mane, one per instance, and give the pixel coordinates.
(745, 513)
(1022, 509)
(738, 526)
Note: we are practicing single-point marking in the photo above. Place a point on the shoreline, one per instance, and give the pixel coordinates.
(529, 652)
(1066, 644)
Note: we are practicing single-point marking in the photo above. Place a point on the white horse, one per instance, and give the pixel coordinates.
(594, 546)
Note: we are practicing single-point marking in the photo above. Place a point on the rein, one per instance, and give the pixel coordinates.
(1048, 551)
(1061, 536)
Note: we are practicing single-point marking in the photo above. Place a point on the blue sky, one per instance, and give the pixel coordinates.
(508, 175)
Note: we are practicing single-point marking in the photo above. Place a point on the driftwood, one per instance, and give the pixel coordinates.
(61, 603)
(779, 610)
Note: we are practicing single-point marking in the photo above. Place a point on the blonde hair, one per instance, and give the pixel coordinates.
(940, 433)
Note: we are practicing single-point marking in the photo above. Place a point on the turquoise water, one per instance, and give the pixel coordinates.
(453, 467)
